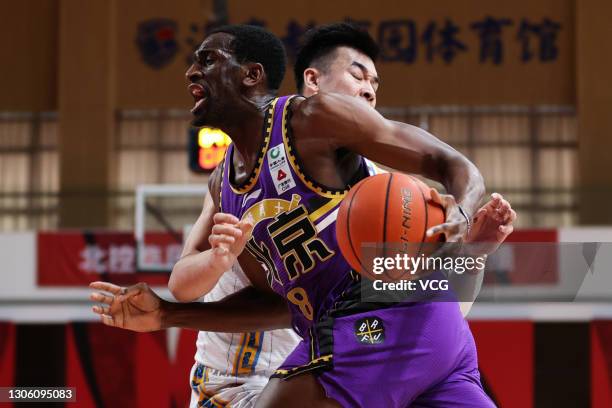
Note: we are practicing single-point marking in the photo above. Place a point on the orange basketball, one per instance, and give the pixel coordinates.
(392, 208)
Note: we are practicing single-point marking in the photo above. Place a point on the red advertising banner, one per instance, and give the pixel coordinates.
(76, 258)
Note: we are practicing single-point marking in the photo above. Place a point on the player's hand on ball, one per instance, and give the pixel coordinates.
(135, 308)
(492, 225)
(228, 237)
(455, 225)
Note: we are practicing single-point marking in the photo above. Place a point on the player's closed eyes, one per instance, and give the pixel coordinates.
(357, 76)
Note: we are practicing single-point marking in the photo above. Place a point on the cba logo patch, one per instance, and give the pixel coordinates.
(370, 330)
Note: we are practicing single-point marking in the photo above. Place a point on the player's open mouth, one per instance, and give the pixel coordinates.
(199, 96)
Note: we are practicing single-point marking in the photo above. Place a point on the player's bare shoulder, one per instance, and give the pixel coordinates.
(314, 112)
(334, 119)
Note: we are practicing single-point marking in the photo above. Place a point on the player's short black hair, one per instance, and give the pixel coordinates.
(320, 42)
(256, 44)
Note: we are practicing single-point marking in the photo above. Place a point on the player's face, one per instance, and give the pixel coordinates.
(214, 80)
(351, 73)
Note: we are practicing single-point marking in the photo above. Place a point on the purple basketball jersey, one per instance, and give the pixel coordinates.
(294, 236)
(419, 354)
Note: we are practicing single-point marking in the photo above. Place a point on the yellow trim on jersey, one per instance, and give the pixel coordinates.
(319, 212)
(296, 167)
(239, 352)
(249, 348)
(312, 350)
(262, 154)
(299, 369)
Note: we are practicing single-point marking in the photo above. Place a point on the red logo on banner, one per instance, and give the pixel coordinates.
(281, 175)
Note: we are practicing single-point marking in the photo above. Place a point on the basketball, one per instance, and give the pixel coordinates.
(393, 209)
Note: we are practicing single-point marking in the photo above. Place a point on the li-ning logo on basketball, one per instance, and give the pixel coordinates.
(406, 216)
(370, 330)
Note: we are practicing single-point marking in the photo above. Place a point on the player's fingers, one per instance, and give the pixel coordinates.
(101, 298)
(504, 210)
(109, 287)
(508, 218)
(446, 228)
(220, 218)
(435, 196)
(129, 292)
(226, 229)
(504, 206)
(220, 250)
(246, 227)
(433, 231)
(496, 197)
(502, 213)
(220, 240)
(506, 229)
(217, 240)
(480, 213)
(512, 215)
(101, 310)
(108, 320)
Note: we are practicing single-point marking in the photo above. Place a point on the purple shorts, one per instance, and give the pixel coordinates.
(417, 354)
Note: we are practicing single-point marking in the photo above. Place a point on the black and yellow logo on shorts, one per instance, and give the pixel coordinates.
(370, 330)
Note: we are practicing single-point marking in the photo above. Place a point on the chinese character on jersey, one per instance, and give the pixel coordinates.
(295, 238)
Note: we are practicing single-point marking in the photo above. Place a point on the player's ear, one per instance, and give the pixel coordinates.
(253, 74)
(311, 80)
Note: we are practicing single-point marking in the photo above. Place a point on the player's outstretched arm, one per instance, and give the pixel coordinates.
(211, 248)
(340, 121)
(139, 309)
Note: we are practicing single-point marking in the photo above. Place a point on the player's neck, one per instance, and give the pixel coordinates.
(246, 129)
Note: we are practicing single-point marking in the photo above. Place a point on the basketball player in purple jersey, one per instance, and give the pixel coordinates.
(288, 183)
(306, 211)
